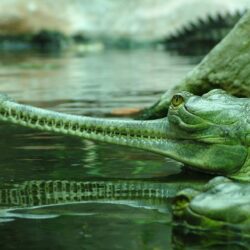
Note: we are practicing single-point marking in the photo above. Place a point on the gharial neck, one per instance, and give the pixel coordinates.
(130, 132)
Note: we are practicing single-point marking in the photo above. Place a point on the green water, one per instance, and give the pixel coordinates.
(93, 84)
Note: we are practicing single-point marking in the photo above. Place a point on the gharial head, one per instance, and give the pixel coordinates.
(209, 133)
(216, 127)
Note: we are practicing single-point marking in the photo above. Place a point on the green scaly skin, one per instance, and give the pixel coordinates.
(210, 133)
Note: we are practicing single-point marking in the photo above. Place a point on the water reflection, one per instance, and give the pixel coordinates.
(29, 154)
(135, 212)
(82, 233)
(78, 212)
(93, 84)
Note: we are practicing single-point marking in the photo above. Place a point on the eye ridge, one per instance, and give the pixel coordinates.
(177, 100)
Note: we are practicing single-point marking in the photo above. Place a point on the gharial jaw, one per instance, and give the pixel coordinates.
(130, 132)
(157, 136)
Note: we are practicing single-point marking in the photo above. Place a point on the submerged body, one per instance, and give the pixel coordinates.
(210, 133)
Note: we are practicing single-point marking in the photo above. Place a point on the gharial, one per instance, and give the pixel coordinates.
(210, 133)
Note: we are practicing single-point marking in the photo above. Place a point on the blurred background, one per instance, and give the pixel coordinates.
(106, 58)
(111, 22)
(93, 51)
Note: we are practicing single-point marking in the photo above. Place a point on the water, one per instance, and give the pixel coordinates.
(94, 84)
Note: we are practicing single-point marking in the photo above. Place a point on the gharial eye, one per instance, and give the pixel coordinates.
(177, 100)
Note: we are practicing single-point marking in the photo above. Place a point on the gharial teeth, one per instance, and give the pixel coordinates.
(22, 116)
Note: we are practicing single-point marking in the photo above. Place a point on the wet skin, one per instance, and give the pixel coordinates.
(210, 133)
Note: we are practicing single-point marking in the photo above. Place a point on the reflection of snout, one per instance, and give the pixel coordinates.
(182, 200)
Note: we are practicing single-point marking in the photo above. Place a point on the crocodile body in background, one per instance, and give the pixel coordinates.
(225, 67)
(201, 36)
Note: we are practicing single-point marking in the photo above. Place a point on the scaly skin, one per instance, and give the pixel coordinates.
(210, 133)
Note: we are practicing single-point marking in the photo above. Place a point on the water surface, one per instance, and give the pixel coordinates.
(92, 84)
